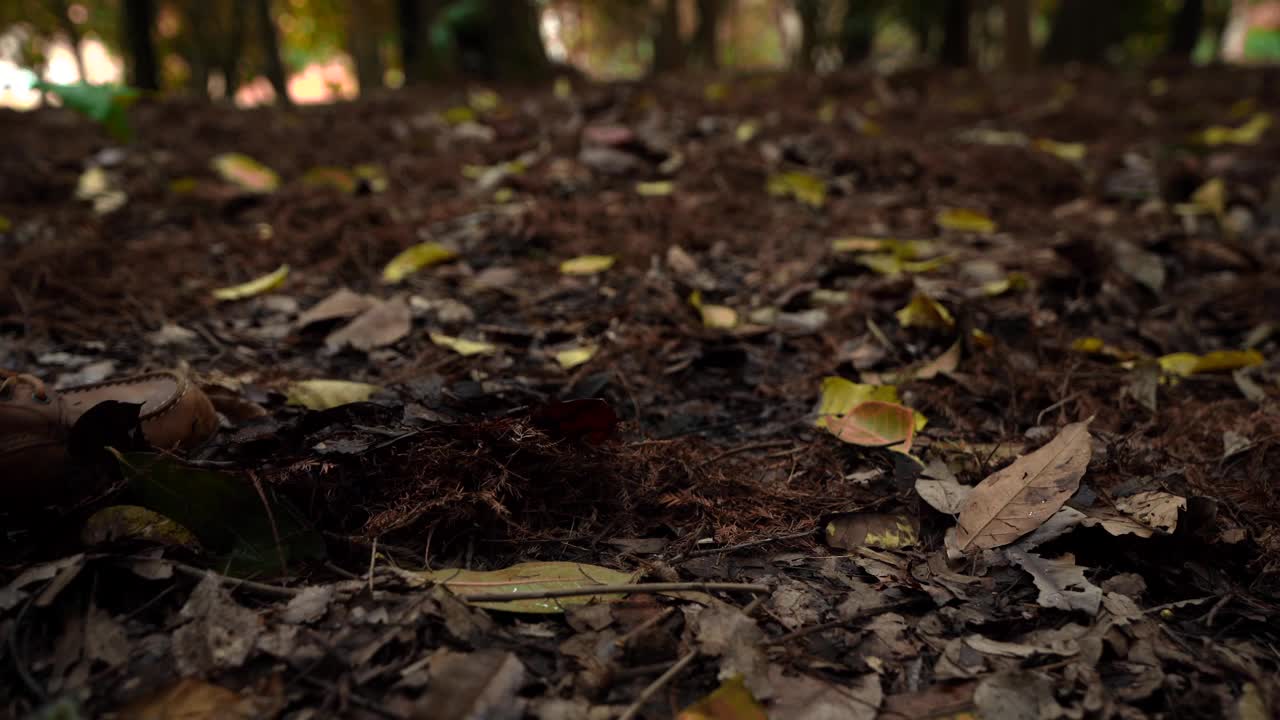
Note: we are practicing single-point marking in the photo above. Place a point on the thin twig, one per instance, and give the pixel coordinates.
(743, 545)
(649, 622)
(763, 445)
(236, 583)
(615, 590)
(634, 708)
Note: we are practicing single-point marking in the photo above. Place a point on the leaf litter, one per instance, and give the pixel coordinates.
(647, 412)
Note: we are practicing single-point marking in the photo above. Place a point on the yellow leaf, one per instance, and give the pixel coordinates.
(134, 522)
(326, 394)
(5, 224)
(823, 296)
(530, 577)
(827, 111)
(587, 264)
(1185, 364)
(964, 220)
(805, 187)
(1211, 197)
(857, 243)
(850, 531)
(1158, 87)
(257, 286)
(483, 100)
(330, 177)
(747, 129)
(716, 91)
(720, 317)
(925, 312)
(1071, 152)
(462, 346)
(655, 189)
(245, 173)
(893, 265)
(503, 196)
(731, 701)
(839, 396)
(1096, 346)
(573, 357)
(459, 115)
(1012, 281)
(414, 259)
(1247, 134)
(875, 424)
(563, 89)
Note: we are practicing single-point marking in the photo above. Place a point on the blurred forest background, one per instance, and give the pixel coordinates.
(259, 51)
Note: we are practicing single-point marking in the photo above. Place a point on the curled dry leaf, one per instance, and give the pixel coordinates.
(1017, 499)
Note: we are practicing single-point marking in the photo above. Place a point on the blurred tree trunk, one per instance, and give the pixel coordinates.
(810, 12)
(270, 39)
(515, 41)
(200, 46)
(137, 27)
(955, 34)
(62, 8)
(668, 48)
(362, 43)
(858, 31)
(1018, 53)
(230, 58)
(1184, 33)
(1081, 33)
(704, 49)
(413, 23)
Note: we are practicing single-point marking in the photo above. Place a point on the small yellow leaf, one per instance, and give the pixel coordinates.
(1097, 346)
(839, 396)
(716, 91)
(1158, 87)
(459, 115)
(503, 196)
(1182, 364)
(885, 531)
(1012, 281)
(747, 129)
(731, 701)
(5, 224)
(414, 259)
(587, 264)
(720, 317)
(326, 394)
(245, 173)
(925, 312)
(658, 188)
(823, 296)
(1247, 134)
(827, 111)
(257, 286)
(483, 100)
(133, 522)
(892, 265)
(804, 187)
(1071, 152)
(1211, 197)
(573, 357)
(563, 89)
(964, 220)
(462, 346)
(1186, 364)
(982, 338)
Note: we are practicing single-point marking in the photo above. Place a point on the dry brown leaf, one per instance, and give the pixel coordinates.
(383, 324)
(472, 686)
(1154, 509)
(1017, 499)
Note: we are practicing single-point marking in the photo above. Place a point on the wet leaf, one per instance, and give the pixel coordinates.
(245, 173)
(326, 394)
(802, 186)
(875, 424)
(925, 312)
(225, 512)
(463, 346)
(532, 577)
(573, 357)
(414, 259)
(964, 220)
(1017, 499)
(257, 286)
(659, 188)
(877, 530)
(587, 264)
(731, 701)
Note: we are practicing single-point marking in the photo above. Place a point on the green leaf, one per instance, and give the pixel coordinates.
(107, 105)
(225, 513)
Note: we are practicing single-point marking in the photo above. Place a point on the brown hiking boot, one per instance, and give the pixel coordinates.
(35, 421)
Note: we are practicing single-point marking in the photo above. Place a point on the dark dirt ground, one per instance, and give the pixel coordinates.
(713, 471)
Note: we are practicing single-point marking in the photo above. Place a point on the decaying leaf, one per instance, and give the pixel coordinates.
(257, 286)
(133, 522)
(925, 312)
(801, 697)
(530, 577)
(1061, 582)
(414, 259)
(805, 187)
(193, 699)
(245, 173)
(480, 685)
(325, 394)
(731, 701)
(875, 424)
(878, 530)
(1017, 499)
(463, 346)
(587, 264)
(381, 325)
(1154, 509)
(965, 220)
(340, 305)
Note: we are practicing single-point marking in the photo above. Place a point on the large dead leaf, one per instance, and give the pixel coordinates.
(473, 686)
(876, 424)
(1015, 500)
(802, 697)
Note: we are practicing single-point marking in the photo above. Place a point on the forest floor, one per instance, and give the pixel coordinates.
(1001, 260)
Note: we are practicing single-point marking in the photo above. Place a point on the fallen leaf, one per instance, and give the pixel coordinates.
(100, 188)
(463, 346)
(719, 317)
(326, 394)
(964, 220)
(731, 701)
(944, 364)
(1154, 509)
(414, 259)
(839, 396)
(133, 522)
(531, 577)
(925, 312)
(257, 286)
(483, 99)
(1016, 696)
(802, 186)
(245, 173)
(340, 305)
(659, 188)
(192, 699)
(1017, 499)
(1247, 134)
(381, 325)
(1069, 151)
(587, 264)
(1184, 364)
(875, 423)
(944, 494)
(1061, 582)
(878, 530)
(801, 697)
(1012, 281)
(573, 357)
(1142, 265)
(335, 178)
(479, 685)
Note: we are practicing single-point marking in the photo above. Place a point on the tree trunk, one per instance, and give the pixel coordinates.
(230, 60)
(705, 48)
(857, 32)
(1184, 33)
(413, 26)
(514, 41)
(270, 40)
(139, 41)
(362, 42)
(668, 49)
(810, 12)
(1081, 33)
(62, 8)
(955, 37)
(1017, 35)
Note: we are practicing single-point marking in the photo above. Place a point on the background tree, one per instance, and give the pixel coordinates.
(668, 45)
(1184, 33)
(955, 33)
(270, 41)
(1018, 51)
(363, 31)
(704, 49)
(138, 25)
